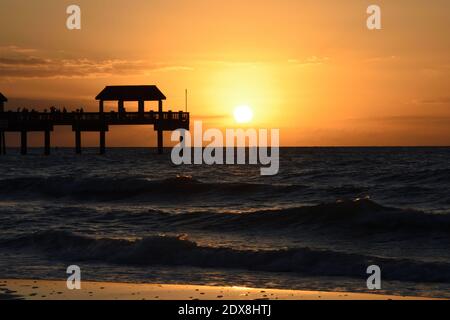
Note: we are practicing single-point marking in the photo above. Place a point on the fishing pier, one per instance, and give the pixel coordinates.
(26, 121)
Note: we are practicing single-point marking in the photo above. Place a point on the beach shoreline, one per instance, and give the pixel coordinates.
(11, 289)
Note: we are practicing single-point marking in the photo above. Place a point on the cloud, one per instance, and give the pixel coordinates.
(443, 120)
(434, 101)
(310, 61)
(436, 71)
(22, 63)
(16, 49)
(230, 63)
(169, 68)
(381, 59)
(28, 61)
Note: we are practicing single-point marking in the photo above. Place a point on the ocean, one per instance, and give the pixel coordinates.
(132, 216)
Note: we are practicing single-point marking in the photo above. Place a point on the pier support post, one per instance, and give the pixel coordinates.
(23, 142)
(141, 108)
(102, 142)
(160, 142)
(47, 142)
(78, 142)
(121, 107)
(160, 131)
(2, 143)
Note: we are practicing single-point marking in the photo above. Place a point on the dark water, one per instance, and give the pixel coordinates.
(318, 224)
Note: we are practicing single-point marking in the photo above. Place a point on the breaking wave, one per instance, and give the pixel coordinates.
(96, 188)
(356, 216)
(180, 251)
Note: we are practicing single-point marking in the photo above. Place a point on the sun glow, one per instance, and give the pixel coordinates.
(243, 114)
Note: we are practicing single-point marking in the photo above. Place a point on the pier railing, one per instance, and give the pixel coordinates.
(32, 121)
(67, 118)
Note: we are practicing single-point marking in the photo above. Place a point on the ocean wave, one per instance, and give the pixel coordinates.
(417, 177)
(180, 251)
(96, 188)
(362, 216)
(359, 212)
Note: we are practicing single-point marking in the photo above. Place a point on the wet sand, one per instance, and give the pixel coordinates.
(57, 290)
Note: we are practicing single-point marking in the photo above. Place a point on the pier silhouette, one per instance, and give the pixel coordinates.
(26, 121)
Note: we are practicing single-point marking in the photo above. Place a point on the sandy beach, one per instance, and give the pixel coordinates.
(57, 290)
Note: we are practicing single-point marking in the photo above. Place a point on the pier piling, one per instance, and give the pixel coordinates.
(77, 141)
(23, 142)
(102, 142)
(2, 143)
(47, 142)
(160, 142)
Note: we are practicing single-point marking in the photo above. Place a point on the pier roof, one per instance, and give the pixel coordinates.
(131, 93)
(3, 98)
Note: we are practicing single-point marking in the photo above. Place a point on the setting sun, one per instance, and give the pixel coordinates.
(243, 114)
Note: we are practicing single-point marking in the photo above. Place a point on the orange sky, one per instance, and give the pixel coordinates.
(310, 68)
